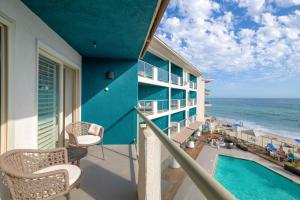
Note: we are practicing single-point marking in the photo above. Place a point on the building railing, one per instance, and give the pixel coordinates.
(192, 102)
(182, 103)
(146, 107)
(162, 105)
(174, 104)
(145, 69)
(176, 80)
(162, 75)
(206, 184)
(193, 85)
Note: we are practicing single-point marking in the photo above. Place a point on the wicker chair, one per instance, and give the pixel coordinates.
(80, 136)
(39, 174)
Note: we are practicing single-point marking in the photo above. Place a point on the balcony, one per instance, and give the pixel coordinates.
(207, 91)
(192, 102)
(152, 73)
(207, 103)
(176, 80)
(153, 107)
(193, 85)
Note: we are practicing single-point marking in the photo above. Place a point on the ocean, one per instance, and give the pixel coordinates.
(276, 116)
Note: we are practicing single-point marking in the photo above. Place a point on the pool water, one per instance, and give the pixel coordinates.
(248, 180)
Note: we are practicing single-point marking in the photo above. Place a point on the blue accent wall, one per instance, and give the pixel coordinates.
(193, 78)
(151, 92)
(177, 94)
(192, 95)
(156, 61)
(176, 70)
(192, 112)
(161, 122)
(113, 109)
(177, 117)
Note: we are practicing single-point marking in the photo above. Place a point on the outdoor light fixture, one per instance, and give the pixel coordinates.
(110, 75)
(94, 44)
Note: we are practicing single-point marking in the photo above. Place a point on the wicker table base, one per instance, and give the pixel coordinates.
(75, 154)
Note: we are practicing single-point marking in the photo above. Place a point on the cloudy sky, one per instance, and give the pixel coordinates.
(251, 47)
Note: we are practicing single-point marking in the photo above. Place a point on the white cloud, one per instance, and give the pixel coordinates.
(213, 44)
(287, 3)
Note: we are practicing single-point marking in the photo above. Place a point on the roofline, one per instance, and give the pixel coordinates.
(156, 47)
(208, 80)
(157, 16)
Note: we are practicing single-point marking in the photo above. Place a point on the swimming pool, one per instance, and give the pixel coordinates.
(248, 180)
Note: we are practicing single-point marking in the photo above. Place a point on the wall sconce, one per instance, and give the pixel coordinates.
(110, 75)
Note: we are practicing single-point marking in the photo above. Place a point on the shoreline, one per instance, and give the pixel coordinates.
(261, 138)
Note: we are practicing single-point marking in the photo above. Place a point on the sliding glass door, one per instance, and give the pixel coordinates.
(48, 103)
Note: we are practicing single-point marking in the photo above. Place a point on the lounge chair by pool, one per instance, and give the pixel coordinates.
(271, 148)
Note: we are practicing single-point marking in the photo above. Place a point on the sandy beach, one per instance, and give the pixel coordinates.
(260, 138)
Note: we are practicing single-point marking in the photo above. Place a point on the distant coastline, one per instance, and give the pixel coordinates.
(279, 116)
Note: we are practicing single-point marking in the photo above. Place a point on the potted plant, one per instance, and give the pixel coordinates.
(191, 142)
(198, 133)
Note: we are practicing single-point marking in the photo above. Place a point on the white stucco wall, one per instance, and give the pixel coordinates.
(26, 31)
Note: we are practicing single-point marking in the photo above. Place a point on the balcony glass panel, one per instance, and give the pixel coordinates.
(182, 103)
(174, 104)
(174, 79)
(146, 106)
(162, 75)
(162, 105)
(145, 69)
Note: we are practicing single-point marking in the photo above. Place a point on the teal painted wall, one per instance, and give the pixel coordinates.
(112, 109)
(192, 112)
(177, 94)
(192, 95)
(193, 78)
(118, 27)
(150, 92)
(161, 122)
(176, 70)
(156, 61)
(178, 116)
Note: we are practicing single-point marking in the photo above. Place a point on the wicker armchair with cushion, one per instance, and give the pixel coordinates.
(83, 134)
(39, 174)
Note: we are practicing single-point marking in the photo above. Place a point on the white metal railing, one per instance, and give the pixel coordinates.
(174, 104)
(182, 103)
(206, 184)
(193, 85)
(145, 69)
(146, 106)
(162, 75)
(176, 80)
(192, 102)
(162, 105)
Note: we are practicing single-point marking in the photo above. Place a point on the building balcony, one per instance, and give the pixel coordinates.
(207, 91)
(154, 108)
(207, 103)
(193, 85)
(192, 102)
(151, 74)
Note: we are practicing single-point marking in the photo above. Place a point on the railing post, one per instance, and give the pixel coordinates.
(154, 107)
(155, 74)
(149, 177)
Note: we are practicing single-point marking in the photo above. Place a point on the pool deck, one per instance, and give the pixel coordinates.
(208, 159)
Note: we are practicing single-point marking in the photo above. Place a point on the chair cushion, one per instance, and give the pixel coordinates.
(73, 171)
(88, 139)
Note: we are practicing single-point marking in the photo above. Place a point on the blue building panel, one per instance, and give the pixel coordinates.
(112, 108)
(176, 70)
(162, 122)
(192, 112)
(192, 95)
(152, 92)
(177, 94)
(177, 117)
(156, 61)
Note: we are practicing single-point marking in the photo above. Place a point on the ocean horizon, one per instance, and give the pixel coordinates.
(280, 116)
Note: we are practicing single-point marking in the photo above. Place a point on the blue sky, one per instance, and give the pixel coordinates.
(251, 47)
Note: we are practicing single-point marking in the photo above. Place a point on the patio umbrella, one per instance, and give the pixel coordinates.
(297, 140)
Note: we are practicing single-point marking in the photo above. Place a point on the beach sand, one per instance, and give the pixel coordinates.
(261, 138)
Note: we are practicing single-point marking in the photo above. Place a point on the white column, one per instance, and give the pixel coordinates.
(149, 176)
(200, 99)
(155, 73)
(154, 108)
